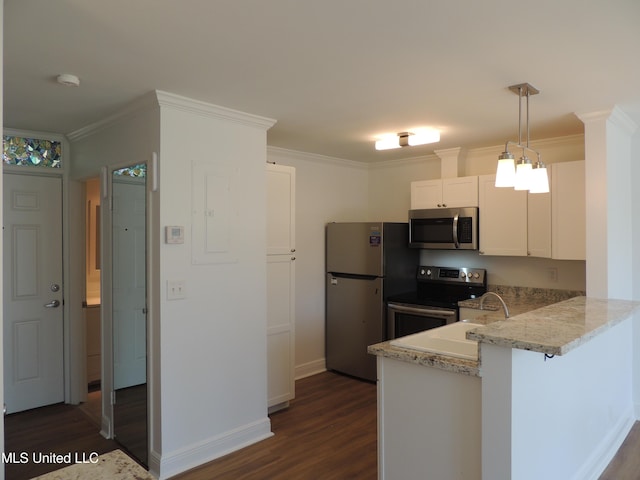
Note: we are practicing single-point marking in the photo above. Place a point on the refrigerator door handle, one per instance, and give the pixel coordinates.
(353, 275)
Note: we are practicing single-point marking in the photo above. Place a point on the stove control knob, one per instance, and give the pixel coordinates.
(476, 275)
(429, 273)
(463, 275)
(422, 272)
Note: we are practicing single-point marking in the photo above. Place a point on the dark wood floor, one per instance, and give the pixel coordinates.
(626, 464)
(130, 421)
(57, 428)
(328, 432)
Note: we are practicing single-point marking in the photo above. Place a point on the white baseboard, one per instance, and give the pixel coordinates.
(173, 463)
(310, 368)
(607, 448)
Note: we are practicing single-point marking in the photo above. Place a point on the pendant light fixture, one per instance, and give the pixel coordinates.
(523, 175)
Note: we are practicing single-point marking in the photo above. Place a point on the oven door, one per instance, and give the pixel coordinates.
(404, 319)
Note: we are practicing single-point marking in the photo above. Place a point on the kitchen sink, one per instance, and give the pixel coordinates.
(449, 340)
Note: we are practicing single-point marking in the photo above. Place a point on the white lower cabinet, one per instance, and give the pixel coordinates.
(94, 349)
(429, 422)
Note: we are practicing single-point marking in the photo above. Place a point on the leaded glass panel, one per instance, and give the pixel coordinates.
(32, 152)
(139, 170)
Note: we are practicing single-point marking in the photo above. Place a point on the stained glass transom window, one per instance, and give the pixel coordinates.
(31, 152)
(133, 171)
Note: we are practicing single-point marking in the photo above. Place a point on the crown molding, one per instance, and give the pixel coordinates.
(314, 157)
(177, 102)
(160, 99)
(14, 132)
(616, 115)
(404, 162)
(145, 102)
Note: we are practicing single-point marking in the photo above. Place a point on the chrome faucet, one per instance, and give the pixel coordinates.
(504, 305)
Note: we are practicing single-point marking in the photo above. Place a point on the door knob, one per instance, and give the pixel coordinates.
(52, 304)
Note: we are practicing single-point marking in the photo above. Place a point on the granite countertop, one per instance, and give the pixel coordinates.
(443, 362)
(547, 321)
(558, 328)
(518, 299)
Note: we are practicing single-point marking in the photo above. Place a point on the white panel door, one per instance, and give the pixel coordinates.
(32, 275)
(280, 328)
(129, 284)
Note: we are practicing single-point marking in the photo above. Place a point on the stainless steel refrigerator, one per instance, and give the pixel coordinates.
(365, 263)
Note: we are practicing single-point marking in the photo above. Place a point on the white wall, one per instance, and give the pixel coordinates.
(517, 271)
(327, 190)
(213, 343)
(206, 352)
(635, 262)
(390, 186)
(565, 416)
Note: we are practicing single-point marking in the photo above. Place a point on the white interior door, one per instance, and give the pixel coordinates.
(129, 283)
(33, 310)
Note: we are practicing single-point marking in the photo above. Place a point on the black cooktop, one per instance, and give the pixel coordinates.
(444, 287)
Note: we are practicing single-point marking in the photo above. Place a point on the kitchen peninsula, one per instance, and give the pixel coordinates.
(549, 397)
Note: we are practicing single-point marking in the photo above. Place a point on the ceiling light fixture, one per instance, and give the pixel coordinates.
(524, 175)
(408, 139)
(68, 80)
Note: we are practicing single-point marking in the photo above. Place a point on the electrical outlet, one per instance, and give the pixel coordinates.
(176, 290)
(552, 274)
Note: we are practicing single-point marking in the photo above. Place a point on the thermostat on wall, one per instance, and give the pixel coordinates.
(174, 234)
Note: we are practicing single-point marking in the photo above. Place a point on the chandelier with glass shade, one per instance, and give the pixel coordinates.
(522, 175)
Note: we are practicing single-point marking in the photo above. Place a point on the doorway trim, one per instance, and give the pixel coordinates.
(106, 285)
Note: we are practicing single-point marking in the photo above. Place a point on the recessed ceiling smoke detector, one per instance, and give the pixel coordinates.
(68, 80)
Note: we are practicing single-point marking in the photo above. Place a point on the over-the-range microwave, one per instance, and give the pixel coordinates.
(444, 228)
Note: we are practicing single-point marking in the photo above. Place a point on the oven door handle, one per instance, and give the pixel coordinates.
(422, 311)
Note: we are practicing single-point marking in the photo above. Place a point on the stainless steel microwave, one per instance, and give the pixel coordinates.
(444, 228)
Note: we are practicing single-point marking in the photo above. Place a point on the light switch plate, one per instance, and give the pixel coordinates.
(176, 290)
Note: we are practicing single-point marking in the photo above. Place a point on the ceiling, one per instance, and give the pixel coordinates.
(333, 73)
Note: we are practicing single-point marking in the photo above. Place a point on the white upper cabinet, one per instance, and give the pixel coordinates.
(281, 192)
(539, 224)
(568, 210)
(502, 219)
(445, 193)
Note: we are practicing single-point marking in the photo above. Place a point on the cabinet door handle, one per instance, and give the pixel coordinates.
(293, 250)
(293, 258)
